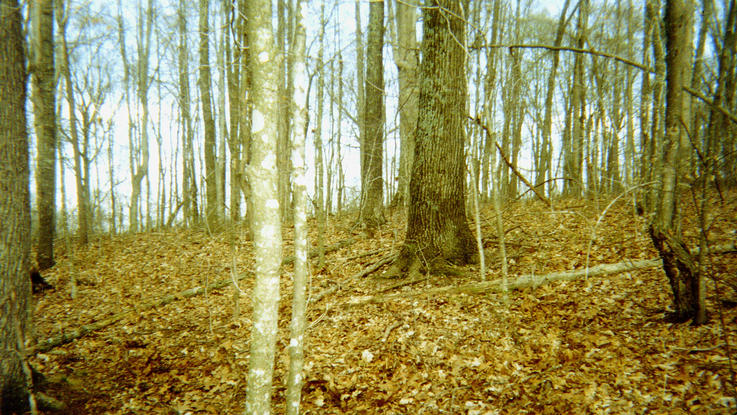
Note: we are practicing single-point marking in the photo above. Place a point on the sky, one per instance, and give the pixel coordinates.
(164, 116)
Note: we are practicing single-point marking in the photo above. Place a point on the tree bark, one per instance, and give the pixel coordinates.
(44, 110)
(205, 85)
(266, 218)
(15, 226)
(372, 186)
(407, 59)
(437, 227)
(297, 328)
(82, 208)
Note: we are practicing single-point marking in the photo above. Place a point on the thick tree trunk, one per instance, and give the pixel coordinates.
(372, 186)
(437, 227)
(15, 226)
(44, 109)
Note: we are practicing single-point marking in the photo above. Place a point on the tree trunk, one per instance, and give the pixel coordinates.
(437, 227)
(578, 98)
(319, 160)
(82, 208)
(677, 261)
(297, 326)
(189, 186)
(266, 215)
(15, 226)
(407, 59)
(547, 144)
(205, 86)
(372, 186)
(44, 110)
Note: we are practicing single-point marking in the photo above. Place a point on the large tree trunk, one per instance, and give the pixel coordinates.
(266, 215)
(15, 226)
(437, 227)
(372, 186)
(205, 86)
(44, 109)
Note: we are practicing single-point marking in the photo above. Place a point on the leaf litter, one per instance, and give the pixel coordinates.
(597, 345)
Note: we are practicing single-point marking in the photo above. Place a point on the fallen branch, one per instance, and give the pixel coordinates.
(66, 337)
(532, 280)
(523, 281)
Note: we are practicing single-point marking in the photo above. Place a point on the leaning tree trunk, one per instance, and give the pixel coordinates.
(44, 109)
(677, 261)
(437, 228)
(15, 226)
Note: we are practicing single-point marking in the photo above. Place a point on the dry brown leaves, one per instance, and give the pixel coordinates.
(596, 346)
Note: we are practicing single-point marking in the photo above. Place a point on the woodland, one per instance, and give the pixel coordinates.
(441, 207)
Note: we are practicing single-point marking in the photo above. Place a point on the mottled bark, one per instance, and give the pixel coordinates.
(267, 239)
(297, 328)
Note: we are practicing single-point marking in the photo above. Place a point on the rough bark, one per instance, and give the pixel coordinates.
(437, 228)
(266, 219)
(44, 110)
(372, 186)
(15, 226)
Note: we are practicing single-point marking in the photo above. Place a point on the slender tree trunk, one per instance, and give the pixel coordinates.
(547, 144)
(83, 226)
(44, 106)
(319, 161)
(297, 328)
(189, 185)
(372, 141)
(205, 86)
(266, 216)
(15, 226)
(407, 60)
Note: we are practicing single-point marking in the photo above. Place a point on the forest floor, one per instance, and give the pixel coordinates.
(597, 345)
